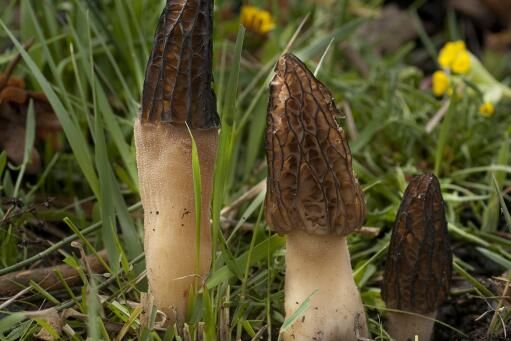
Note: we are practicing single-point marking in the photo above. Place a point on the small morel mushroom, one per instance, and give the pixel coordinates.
(419, 262)
(314, 198)
(177, 93)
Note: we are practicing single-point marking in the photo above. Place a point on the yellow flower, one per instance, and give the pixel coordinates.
(454, 56)
(440, 83)
(257, 20)
(461, 64)
(487, 109)
(449, 52)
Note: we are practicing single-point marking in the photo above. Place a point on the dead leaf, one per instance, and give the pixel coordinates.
(12, 139)
(12, 94)
(14, 104)
(52, 317)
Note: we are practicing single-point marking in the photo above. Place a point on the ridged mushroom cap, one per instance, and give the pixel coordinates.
(178, 80)
(419, 262)
(311, 185)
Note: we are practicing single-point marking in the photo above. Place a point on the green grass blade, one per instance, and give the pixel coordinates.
(223, 162)
(197, 195)
(299, 312)
(29, 144)
(8, 322)
(259, 252)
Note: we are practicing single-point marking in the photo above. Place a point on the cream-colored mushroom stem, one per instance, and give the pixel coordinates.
(322, 263)
(404, 327)
(164, 165)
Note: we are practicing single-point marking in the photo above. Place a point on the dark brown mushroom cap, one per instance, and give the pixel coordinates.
(419, 262)
(177, 87)
(311, 185)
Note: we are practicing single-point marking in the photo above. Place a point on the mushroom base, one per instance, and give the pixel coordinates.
(164, 164)
(404, 327)
(322, 264)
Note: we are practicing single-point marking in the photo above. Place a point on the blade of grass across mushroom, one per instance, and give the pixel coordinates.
(298, 313)
(197, 185)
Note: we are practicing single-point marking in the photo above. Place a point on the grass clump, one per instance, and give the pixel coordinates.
(88, 58)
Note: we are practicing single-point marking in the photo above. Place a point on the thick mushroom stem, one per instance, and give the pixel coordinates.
(322, 263)
(166, 188)
(405, 327)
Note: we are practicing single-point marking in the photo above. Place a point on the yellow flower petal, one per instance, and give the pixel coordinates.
(487, 109)
(440, 83)
(256, 20)
(459, 45)
(461, 63)
(450, 52)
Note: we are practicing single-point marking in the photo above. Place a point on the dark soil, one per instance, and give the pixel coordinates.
(469, 314)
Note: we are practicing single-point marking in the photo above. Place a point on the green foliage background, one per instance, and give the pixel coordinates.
(89, 58)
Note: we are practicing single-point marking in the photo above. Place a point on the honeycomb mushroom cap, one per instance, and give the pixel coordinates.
(311, 185)
(419, 262)
(177, 87)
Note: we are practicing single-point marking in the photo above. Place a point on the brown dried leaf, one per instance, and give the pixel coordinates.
(311, 185)
(38, 97)
(12, 140)
(419, 262)
(14, 103)
(178, 79)
(11, 94)
(16, 82)
(52, 317)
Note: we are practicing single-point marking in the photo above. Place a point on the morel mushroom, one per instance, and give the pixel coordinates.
(177, 94)
(419, 262)
(314, 198)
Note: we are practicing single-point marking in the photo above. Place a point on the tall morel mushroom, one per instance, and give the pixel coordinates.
(314, 198)
(177, 94)
(419, 262)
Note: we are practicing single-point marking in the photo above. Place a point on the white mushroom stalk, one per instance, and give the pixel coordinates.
(419, 262)
(314, 198)
(177, 95)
